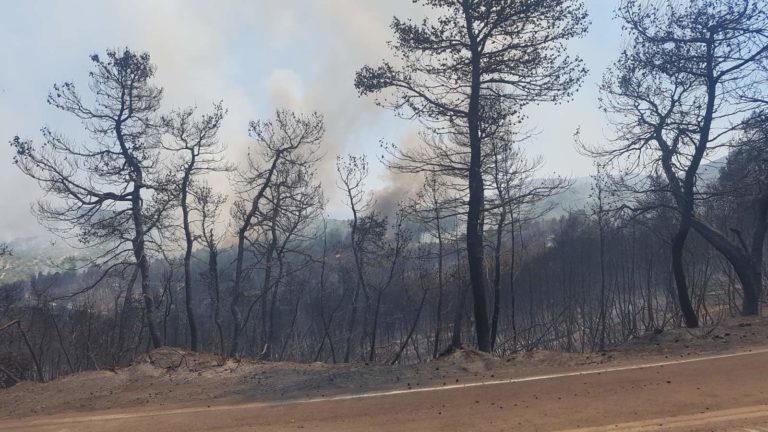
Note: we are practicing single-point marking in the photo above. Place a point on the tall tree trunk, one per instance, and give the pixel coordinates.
(124, 314)
(138, 242)
(747, 262)
(512, 297)
(215, 292)
(377, 309)
(439, 323)
(649, 293)
(456, 341)
(751, 302)
(351, 323)
(266, 315)
(143, 264)
(360, 283)
(474, 227)
(189, 244)
(326, 324)
(752, 307)
(678, 247)
(461, 300)
(271, 333)
(603, 317)
(497, 276)
(237, 316)
(475, 247)
(476, 198)
(291, 328)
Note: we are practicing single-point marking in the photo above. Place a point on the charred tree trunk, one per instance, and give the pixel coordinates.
(476, 199)
(143, 264)
(746, 262)
(215, 293)
(377, 309)
(267, 285)
(512, 296)
(678, 247)
(237, 316)
(411, 331)
(603, 317)
(458, 318)
(351, 323)
(291, 328)
(271, 333)
(188, 245)
(497, 277)
(124, 314)
(439, 323)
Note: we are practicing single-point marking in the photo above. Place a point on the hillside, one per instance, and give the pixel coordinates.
(44, 253)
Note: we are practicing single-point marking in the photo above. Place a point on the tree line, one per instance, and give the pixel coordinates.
(673, 233)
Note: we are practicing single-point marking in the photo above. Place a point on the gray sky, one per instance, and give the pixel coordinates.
(254, 55)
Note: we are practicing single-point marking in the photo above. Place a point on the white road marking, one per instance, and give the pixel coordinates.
(533, 378)
(382, 393)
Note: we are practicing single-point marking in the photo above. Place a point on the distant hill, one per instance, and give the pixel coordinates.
(578, 195)
(44, 253)
(575, 197)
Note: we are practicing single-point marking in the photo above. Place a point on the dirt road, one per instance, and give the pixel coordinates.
(727, 392)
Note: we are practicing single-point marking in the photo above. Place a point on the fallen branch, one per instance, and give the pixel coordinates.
(9, 375)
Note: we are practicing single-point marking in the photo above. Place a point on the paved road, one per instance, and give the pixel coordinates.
(723, 393)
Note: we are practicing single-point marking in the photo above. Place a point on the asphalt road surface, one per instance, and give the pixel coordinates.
(720, 393)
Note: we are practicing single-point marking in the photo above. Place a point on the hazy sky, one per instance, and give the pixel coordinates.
(255, 55)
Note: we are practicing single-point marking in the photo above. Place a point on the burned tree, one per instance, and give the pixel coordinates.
(293, 202)
(352, 174)
(207, 204)
(682, 87)
(196, 144)
(431, 206)
(288, 140)
(742, 188)
(112, 191)
(470, 71)
(390, 255)
(599, 209)
(513, 197)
